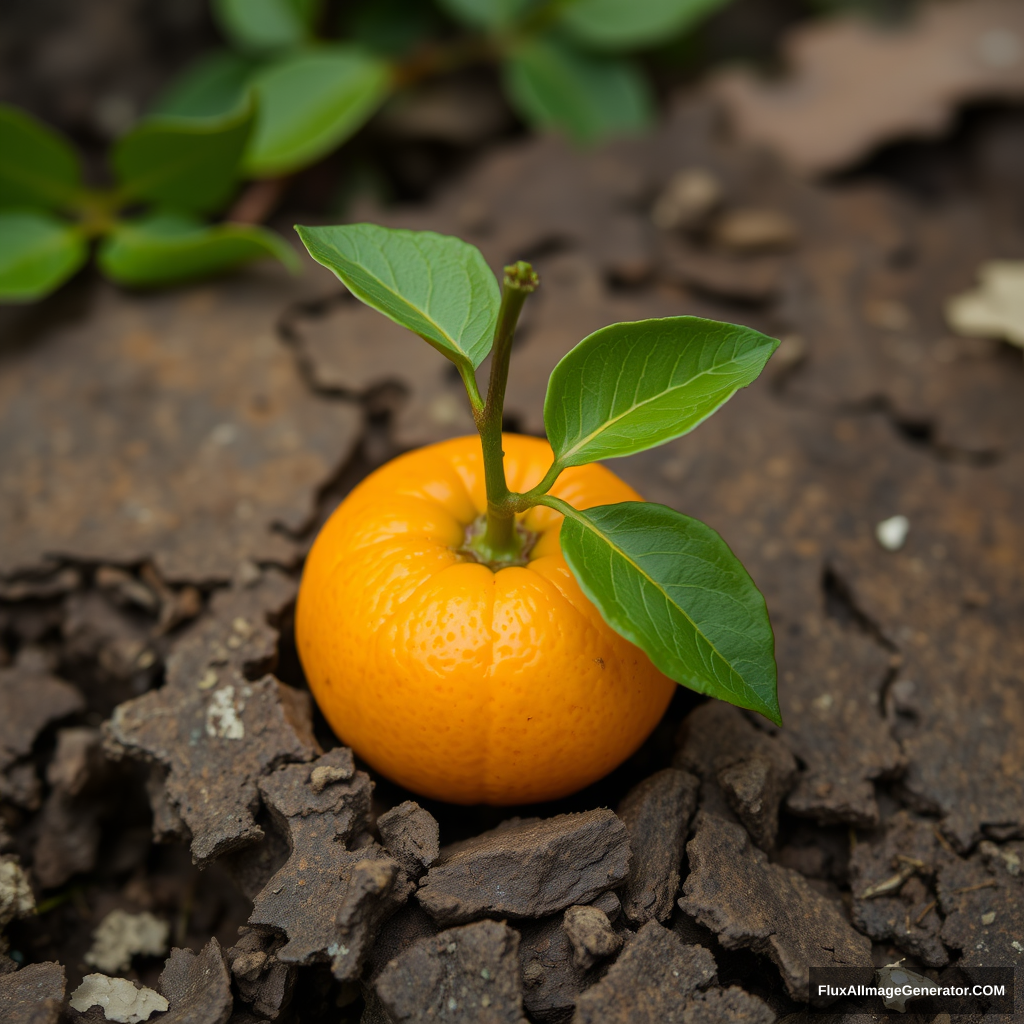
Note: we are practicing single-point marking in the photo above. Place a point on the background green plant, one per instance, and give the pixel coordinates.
(284, 95)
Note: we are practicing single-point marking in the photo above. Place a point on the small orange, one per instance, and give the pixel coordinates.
(458, 682)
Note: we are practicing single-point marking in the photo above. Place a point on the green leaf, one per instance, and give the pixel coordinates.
(37, 166)
(391, 27)
(589, 97)
(310, 102)
(184, 163)
(38, 252)
(213, 87)
(618, 25)
(266, 24)
(168, 248)
(670, 585)
(437, 286)
(632, 386)
(486, 14)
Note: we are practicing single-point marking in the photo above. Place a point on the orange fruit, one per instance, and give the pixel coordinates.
(459, 682)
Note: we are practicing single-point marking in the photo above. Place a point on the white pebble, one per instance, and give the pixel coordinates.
(892, 533)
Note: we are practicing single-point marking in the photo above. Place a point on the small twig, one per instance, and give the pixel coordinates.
(990, 884)
(924, 913)
(943, 841)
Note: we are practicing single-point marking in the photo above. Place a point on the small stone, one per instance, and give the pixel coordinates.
(656, 813)
(120, 1000)
(16, 899)
(532, 868)
(321, 777)
(591, 935)
(892, 532)
(754, 230)
(443, 978)
(411, 835)
(687, 200)
(121, 936)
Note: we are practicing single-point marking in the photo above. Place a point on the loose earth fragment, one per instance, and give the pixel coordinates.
(754, 770)
(33, 994)
(467, 975)
(30, 699)
(552, 979)
(197, 986)
(411, 835)
(657, 814)
(529, 869)
(750, 903)
(652, 981)
(262, 980)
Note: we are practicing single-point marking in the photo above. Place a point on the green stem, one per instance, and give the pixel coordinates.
(500, 541)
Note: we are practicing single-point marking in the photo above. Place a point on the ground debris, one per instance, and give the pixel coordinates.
(591, 935)
(121, 936)
(656, 813)
(120, 1000)
(889, 875)
(552, 979)
(262, 980)
(411, 835)
(983, 904)
(237, 635)
(186, 460)
(531, 868)
(16, 898)
(753, 770)
(30, 700)
(653, 980)
(328, 899)
(197, 986)
(81, 783)
(468, 974)
(749, 903)
(215, 744)
(33, 994)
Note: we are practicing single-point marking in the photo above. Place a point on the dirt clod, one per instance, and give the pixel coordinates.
(411, 835)
(464, 975)
(530, 869)
(657, 814)
(197, 986)
(32, 995)
(750, 903)
(30, 699)
(262, 981)
(651, 982)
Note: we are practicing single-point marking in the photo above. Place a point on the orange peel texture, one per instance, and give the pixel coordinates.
(457, 682)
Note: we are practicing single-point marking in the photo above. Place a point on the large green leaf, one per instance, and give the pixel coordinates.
(626, 24)
(213, 87)
(266, 24)
(38, 252)
(435, 285)
(183, 163)
(632, 386)
(168, 248)
(670, 585)
(554, 85)
(309, 102)
(37, 166)
(487, 14)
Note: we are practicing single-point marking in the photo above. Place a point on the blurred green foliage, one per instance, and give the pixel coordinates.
(287, 92)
